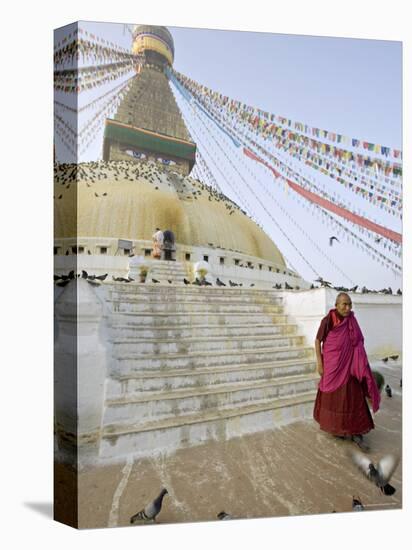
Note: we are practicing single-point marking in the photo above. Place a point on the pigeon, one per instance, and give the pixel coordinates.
(219, 282)
(357, 505)
(322, 282)
(151, 510)
(380, 474)
(223, 515)
(207, 283)
(101, 277)
(400, 383)
(388, 390)
(399, 292)
(288, 287)
(385, 359)
(196, 282)
(57, 277)
(353, 289)
(84, 274)
(232, 283)
(186, 282)
(333, 238)
(169, 281)
(155, 281)
(253, 284)
(394, 357)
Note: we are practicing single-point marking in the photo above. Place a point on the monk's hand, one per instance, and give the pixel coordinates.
(319, 368)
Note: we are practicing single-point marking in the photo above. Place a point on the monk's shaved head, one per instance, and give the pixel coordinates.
(343, 304)
(342, 295)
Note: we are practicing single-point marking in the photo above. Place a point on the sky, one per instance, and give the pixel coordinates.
(349, 86)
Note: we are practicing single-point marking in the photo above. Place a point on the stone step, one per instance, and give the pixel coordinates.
(164, 405)
(195, 318)
(166, 270)
(168, 379)
(124, 346)
(197, 307)
(133, 362)
(178, 295)
(207, 291)
(196, 331)
(170, 434)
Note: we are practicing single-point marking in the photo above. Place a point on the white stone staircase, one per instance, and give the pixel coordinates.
(163, 270)
(190, 364)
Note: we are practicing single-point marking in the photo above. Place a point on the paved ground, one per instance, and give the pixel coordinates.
(290, 471)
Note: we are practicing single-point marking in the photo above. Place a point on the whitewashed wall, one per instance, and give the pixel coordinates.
(379, 316)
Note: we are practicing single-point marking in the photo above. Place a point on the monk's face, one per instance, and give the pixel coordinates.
(344, 306)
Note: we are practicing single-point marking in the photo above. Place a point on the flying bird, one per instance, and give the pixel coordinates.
(380, 474)
(151, 510)
(388, 390)
(322, 282)
(357, 505)
(223, 516)
(333, 238)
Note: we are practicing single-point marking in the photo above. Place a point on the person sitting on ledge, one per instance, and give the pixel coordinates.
(346, 380)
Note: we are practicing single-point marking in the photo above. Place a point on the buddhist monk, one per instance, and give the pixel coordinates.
(346, 383)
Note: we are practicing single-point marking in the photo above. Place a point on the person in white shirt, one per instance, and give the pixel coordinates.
(157, 244)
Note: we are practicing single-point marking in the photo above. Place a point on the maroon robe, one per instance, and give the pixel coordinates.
(343, 412)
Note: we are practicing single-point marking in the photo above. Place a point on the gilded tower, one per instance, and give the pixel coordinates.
(148, 124)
